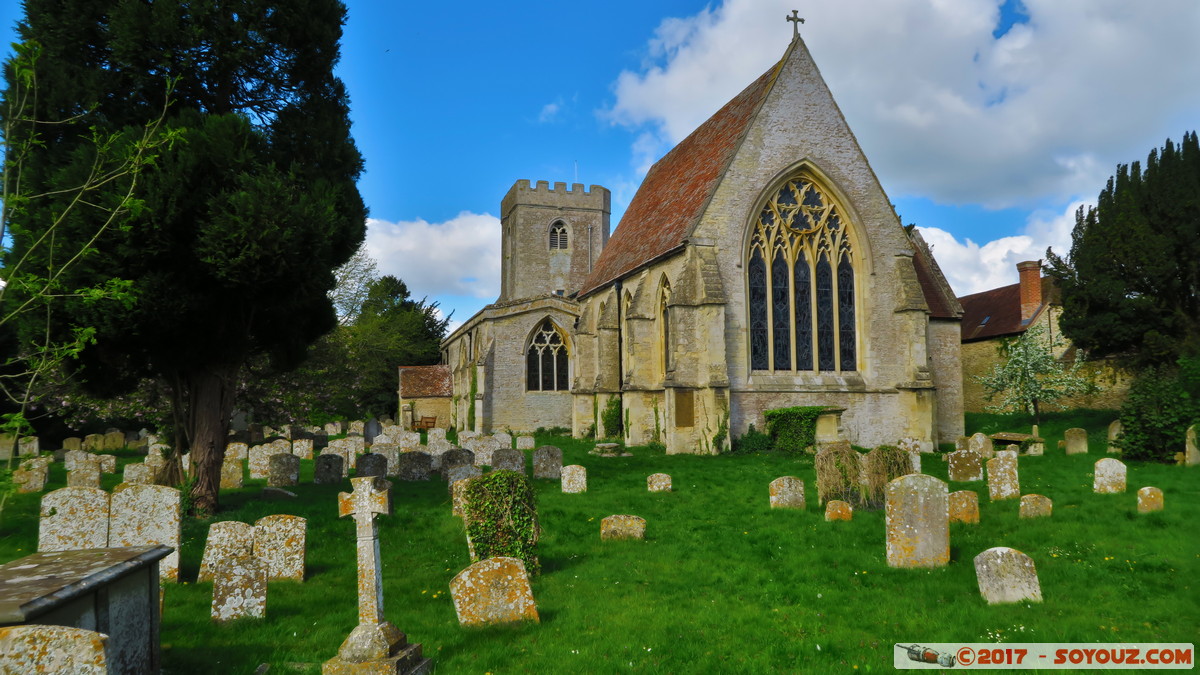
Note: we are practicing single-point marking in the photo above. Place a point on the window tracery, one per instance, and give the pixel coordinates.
(546, 363)
(558, 236)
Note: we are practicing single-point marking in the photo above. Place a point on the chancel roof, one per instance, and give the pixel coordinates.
(425, 381)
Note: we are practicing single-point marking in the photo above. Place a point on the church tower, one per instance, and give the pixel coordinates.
(551, 238)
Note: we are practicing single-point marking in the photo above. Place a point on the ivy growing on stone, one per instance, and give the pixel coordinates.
(794, 430)
(501, 517)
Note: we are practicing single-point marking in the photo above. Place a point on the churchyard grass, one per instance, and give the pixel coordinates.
(722, 582)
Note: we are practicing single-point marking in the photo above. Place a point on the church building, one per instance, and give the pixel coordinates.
(759, 266)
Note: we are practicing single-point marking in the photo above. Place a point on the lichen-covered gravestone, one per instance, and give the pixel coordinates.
(1109, 476)
(493, 591)
(964, 507)
(1077, 443)
(787, 492)
(658, 482)
(73, 458)
(236, 450)
(233, 476)
(836, 509)
(284, 470)
(260, 461)
(226, 539)
(303, 448)
(507, 459)
(25, 650)
(341, 452)
(413, 466)
(547, 462)
(1191, 454)
(328, 469)
(623, 527)
(461, 472)
(574, 479)
(1035, 506)
(918, 522)
(391, 454)
(1149, 499)
(1006, 575)
(143, 515)
(281, 541)
(981, 444)
(1114, 434)
(525, 442)
(458, 495)
(136, 474)
(1003, 482)
(456, 457)
(239, 589)
(73, 519)
(107, 463)
(483, 449)
(372, 465)
(31, 475)
(965, 465)
(85, 475)
(503, 439)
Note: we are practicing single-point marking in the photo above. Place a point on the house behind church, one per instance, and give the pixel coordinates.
(760, 265)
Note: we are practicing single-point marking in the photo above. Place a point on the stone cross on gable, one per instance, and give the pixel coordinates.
(796, 21)
(372, 496)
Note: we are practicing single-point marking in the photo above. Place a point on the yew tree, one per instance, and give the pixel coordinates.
(243, 219)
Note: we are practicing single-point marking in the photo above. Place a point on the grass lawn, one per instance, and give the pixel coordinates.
(722, 582)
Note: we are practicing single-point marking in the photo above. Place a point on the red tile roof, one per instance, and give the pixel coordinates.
(935, 288)
(997, 312)
(425, 381)
(677, 189)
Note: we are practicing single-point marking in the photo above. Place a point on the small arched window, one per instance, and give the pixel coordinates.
(546, 363)
(664, 317)
(558, 236)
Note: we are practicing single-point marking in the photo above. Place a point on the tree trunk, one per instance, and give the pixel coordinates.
(210, 405)
(1037, 415)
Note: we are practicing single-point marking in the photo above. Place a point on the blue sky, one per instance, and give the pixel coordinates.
(987, 122)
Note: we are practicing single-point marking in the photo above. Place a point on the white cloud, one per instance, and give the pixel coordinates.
(972, 268)
(942, 108)
(458, 257)
(550, 111)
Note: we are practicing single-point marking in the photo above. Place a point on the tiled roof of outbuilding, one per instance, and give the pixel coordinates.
(998, 312)
(425, 381)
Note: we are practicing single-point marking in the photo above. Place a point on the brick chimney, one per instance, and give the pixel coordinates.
(1031, 288)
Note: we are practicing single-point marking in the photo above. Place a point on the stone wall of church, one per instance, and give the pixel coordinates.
(945, 357)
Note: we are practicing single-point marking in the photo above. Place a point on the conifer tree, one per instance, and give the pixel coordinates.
(243, 220)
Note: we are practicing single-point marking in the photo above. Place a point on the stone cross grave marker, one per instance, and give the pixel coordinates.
(964, 507)
(1077, 443)
(1006, 575)
(1109, 476)
(918, 522)
(226, 539)
(787, 492)
(547, 462)
(1003, 482)
(1149, 499)
(239, 589)
(72, 519)
(1035, 506)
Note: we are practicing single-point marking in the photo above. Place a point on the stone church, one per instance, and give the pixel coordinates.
(760, 265)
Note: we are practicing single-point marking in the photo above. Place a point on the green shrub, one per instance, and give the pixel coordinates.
(500, 513)
(1161, 405)
(452, 435)
(752, 442)
(793, 430)
(611, 418)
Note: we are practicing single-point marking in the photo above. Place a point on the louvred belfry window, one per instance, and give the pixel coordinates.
(546, 366)
(801, 280)
(558, 236)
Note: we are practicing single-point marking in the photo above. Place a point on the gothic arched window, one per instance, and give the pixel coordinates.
(546, 366)
(558, 236)
(800, 278)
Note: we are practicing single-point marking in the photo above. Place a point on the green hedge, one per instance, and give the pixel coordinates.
(793, 430)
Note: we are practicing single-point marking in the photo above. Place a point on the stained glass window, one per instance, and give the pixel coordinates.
(546, 363)
(780, 301)
(824, 315)
(845, 281)
(804, 334)
(759, 359)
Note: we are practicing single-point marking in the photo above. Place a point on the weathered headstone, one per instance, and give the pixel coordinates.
(239, 589)
(74, 458)
(390, 454)
(1077, 443)
(303, 448)
(962, 443)
(107, 463)
(226, 539)
(30, 649)
(507, 459)
(328, 469)
(72, 443)
(114, 440)
(1036, 506)
(237, 450)
(787, 492)
(372, 465)
(1191, 454)
(493, 591)
(233, 475)
(623, 527)
(72, 519)
(143, 515)
(413, 466)
(525, 442)
(547, 462)
(574, 479)
(980, 443)
(408, 439)
(435, 434)
(836, 509)
(85, 476)
(339, 450)
(964, 507)
(154, 464)
(458, 498)
(913, 445)
(484, 447)
(284, 470)
(1114, 433)
(281, 541)
(965, 465)
(455, 458)
(93, 442)
(918, 522)
(357, 427)
(136, 474)
(658, 482)
(31, 475)
(461, 472)
(29, 446)
(1149, 499)
(1003, 481)
(260, 461)
(1006, 575)
(1109, 476)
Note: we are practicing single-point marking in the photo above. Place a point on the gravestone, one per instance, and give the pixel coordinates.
(962, 443)
(74, 458)
(260, 461)
(1114, 433)
(547, 462)
(1191, 454)
(836, 509)
(85, 476)
(281, 542)
(1149, 499)
(1011, 454)
(1109, 476)
(239, 589)
(1006, 575)
(507, 459)
(73, 519)
(372, 465)
(458, 499)
(226, 539)
(341, 452)
(1036, 506)
(144, 515)
(787, 492)
(114, 440)
(1003, 482)
(25, 650)
(391, 454)
(31, 475)
(328, 469)
(154, 464)
(456, 458)
(525, 442)
(436, 449)
(413, 466)
(623, 527)
(658, 482)
(915, 459)
(1077, 443)
(303, 448)
(503, 439)
(964, 507)
(913, 445)
(237, 450)
(29, 446)
(284, 470)
(435, 434)
(72, 443)
(493, 591)
(136, 474)
(467, 434)
(357, 427)
(484, 448)
(981, 444)
(574, 479)
(93, 442)
(108, 463)
(918, 522)
(461, 472)
(965, 465)
(233, 476)
(409, 439)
